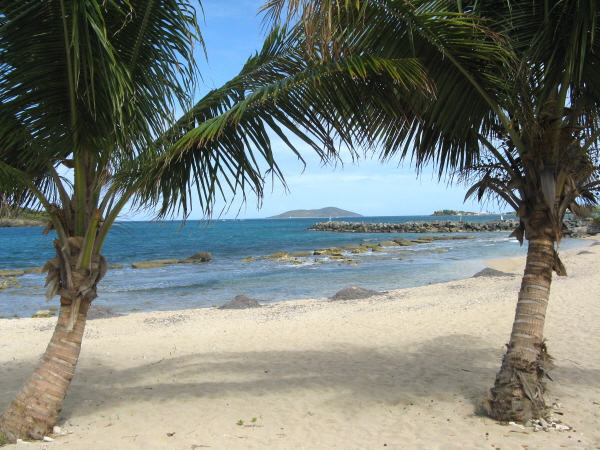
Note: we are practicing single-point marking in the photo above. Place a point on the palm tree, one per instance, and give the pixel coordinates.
(515, 108)
(91, 86)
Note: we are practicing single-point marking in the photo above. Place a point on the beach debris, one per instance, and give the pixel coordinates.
(354, 293)
(43, 314)
(197, 258)
(101, 312)
(248, 259)
(585, 252)
(170, 320)
(544, 425)
(47, 439)
(241, 301)
(516, 425)
(171, 434)
(489, 272)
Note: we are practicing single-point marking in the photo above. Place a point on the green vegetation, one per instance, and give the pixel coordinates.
(514, 114)
(87, 114)
(452, 212)
(240, 422)
(23, 213)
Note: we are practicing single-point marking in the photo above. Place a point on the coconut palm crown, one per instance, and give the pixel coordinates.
(514, 110)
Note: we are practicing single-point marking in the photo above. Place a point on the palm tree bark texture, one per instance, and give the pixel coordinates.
(518, 392)
(35, 409)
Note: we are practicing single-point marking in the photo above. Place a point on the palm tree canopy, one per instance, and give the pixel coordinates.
(517, 82)
(85, 76)
(491, 44)
(279, 88)
(112, 80)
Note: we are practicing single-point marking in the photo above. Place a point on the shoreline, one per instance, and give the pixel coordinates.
(125, 303)
(21, 223)
(405, 369)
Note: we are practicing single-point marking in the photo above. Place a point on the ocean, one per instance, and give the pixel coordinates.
(185, 286)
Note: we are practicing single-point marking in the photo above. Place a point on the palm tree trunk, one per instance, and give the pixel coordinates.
(518, 390)
(34, 411)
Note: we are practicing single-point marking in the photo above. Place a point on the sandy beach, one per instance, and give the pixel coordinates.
(401, 370)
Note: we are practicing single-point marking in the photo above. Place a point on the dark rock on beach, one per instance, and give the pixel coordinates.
(241, 302)
(489, 272)
(354, 293)
(101, 312)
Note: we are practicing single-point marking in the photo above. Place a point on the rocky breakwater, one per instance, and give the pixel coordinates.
(417, 227)
(575, 227)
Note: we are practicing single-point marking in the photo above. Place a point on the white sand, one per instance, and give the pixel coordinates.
(404, 369)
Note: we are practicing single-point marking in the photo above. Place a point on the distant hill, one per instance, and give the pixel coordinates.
(315, 214)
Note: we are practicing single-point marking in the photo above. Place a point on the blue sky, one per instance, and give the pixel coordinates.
(232, 32)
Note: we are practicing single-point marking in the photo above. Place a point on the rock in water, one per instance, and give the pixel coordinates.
(278, 255)
(403, 242)
(198, 257)
(100, 312)
(241, 302)
(12, 273)
(489, 272)
(148, 265)
(354, 293)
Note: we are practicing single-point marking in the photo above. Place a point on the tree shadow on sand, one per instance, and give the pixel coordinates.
(439, 369)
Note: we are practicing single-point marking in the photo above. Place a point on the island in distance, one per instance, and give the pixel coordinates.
(315, 214)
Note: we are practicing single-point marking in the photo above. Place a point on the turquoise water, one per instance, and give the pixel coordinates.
(182, 286)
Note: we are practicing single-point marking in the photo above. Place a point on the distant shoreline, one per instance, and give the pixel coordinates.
(17, 223)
